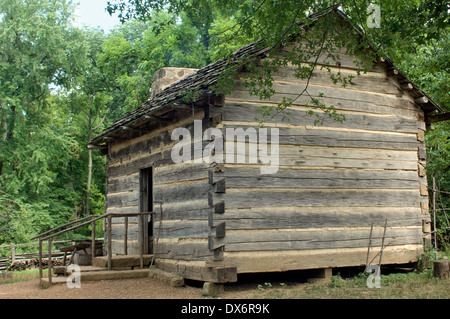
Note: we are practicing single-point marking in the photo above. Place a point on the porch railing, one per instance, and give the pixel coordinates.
(48, 235)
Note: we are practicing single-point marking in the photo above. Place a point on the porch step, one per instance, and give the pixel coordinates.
(100, 275)
(61, 270)
(121, 261)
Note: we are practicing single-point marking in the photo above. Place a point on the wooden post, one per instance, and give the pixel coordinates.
(50, 260)
(141, 240)
(40, 259)
(93, 246)
(434, 212)
(125, 244)
(13, 253)
(370, 244)
(441, 268)
(109, 242)
(382, 241)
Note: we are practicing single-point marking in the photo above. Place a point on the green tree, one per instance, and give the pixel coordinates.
(133, 52)
(38, 54)
(235, 23)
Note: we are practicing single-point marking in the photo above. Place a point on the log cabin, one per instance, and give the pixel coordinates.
(340, 193)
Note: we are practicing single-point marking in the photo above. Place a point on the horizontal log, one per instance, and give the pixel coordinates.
(238, 198)
(153, 141)
(118, 232)
(183, 229)
(338, 57)
(306, 240)
(189, 209)
(115, 168)
(123, 183)
(183, 250)
(123, 199)
(248, 111)
(318, 217)
(337, 138)
(180, 172)
(183, 191)
(123, 209)
(421, 100)
(345, 79)
(319, 178)
(198, 270)
(251, 262)
(433, 118)
(307, 156)
(331, 95)
(132, 164)
(399, 107)
(118, 246)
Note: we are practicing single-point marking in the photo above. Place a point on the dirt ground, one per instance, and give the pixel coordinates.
(256, 286)
(142, 288)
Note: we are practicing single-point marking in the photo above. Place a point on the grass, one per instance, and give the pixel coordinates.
(18, 276)
(395, 285)
(412, 285)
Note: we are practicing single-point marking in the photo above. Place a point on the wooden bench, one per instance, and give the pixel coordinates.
(82, 245)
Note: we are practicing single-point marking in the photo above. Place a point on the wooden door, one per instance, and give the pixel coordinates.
(146, 205)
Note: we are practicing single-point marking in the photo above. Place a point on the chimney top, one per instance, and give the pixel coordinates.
(167, 76)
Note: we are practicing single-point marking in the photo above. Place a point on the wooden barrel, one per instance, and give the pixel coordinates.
(84, 257)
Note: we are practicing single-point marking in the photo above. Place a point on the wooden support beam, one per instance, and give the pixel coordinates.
(392, 72)
(421, 170)
(218, 253)
(153, 117)
(407, 86)
(217, 99)
(441, 268)
(127, 128)
(421, 135)
(177, 106)
(440, 117)
(421, 100)
(422, 153)
(110, 138)
(219, 186)
(96, 147)
(188, 270)
(219, 208)
(215, 120)
(220, 230)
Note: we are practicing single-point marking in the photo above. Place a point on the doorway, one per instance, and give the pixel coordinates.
(146, 205)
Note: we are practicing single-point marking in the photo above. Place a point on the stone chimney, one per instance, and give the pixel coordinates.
(166, 76)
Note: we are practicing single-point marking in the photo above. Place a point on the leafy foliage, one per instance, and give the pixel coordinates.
(59, 85)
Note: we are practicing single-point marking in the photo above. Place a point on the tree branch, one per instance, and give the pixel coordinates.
(101, 122)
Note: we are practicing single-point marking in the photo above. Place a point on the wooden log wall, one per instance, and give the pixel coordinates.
(183, 189)
(334, 180)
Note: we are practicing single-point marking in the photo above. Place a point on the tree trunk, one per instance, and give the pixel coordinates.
(7, 128)
(441, 268)
(89, 177)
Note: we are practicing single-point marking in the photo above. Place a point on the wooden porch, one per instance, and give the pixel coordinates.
(101, 267)
(122, 267)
